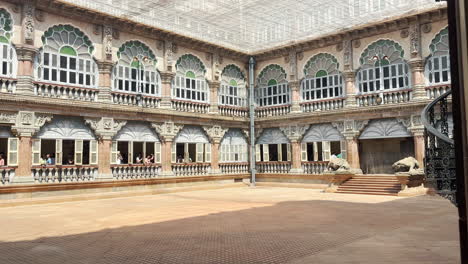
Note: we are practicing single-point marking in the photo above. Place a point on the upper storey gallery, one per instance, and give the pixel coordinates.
(54, 56)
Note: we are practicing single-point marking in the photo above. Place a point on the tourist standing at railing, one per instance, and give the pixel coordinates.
(119, 158)
(138, 159)
(70, 160)
(50, 160)
(43, 161)
(2, 159)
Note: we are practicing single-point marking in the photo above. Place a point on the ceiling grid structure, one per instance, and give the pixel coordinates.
(252, 26)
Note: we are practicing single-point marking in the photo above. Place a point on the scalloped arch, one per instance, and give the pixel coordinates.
(382, 47)
(189, 62)
(65, 127)
(60, 35)
(137, 131)
(384, 128)
(322, 132)
(272, 72)
(234, 136)
(6, 24)
(135, 48)
(233, 72)
(191, 134)
(440, 43)
(321, 61)
(272, 136)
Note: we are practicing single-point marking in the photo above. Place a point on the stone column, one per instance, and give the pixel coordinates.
(104, 156)
(353, 151)
(105, 79)
(215, 157)
(25, 54)
(214, 88)
(216, 134)
(295, 96)
(296, 157)
(167, 132)
(350, 87)
(105, 129)
(419, 148)
(166, 82)
(417, 78)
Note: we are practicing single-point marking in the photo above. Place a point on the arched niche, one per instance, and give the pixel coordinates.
(322, 132)
(64, 127)
(234, 137)
(137, 131)
(192, 134)
(384, 128)
(272, 136)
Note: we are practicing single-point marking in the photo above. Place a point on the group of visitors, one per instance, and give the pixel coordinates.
(49, 159)
(148, 160)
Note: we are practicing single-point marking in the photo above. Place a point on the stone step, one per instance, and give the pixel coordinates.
(377, 189)
(369, 193)
(371, 185)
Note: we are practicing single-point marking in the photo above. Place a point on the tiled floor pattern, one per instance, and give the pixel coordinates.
(238, 225)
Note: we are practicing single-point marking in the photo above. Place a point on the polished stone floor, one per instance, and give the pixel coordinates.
(235, 225)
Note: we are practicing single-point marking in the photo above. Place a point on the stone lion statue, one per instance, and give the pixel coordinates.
(338, 164)
(406, 165)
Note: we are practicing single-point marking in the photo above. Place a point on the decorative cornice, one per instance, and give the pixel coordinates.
(8, 118)
(29, 123)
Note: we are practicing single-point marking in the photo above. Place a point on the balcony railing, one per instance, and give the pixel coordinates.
(314, 167)
(383, 98)
(65, 173)
(6, 175)
(234, 168)
(273, 167)
(439, 161)
(189, 106)
(190, 169)
(132, 99)
(323, 105)
(65, 92)
(437, 90)
(135, 171)
(272, 110)
(233, 111)
(7, 85)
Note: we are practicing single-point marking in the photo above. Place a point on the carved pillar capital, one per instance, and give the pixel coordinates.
(215, 133)
(416, 64)
(350, 75)
(294, 132)
(350, 129)
(167, 77)
(105, 128)
(29, 123)
(105, 66)
(413, 124)
(26, 52)
(167, 131)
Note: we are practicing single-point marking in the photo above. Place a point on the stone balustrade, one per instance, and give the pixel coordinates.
(135, 171)
(272, 111)
(383, 98)
(189, 106)
(65, 92)
(233, 111)
(323, 105)
(435, 91)
(234, 168)
(7, 85)
(190, 169)
(273, 167)
(132, 99)
(314, 167)
(65, 173)
(6, 175)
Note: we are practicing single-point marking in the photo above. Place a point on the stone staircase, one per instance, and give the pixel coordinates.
(375, 184)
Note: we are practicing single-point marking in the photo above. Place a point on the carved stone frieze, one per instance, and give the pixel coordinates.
(28, 22)
(404, 33)
(412, 122)
(105, 128)
(8, 118)
(294, 132)
(426, 28)
(29, 123)
(215, 133)
(167, 131)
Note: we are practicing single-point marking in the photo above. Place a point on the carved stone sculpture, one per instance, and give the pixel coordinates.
(338, 164)
(406, 165)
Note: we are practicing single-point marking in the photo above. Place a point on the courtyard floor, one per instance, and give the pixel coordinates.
(235, 225)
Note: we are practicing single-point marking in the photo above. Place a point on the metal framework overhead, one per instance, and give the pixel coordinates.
(255, 25)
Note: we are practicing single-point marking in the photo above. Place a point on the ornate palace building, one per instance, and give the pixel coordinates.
(87, 94)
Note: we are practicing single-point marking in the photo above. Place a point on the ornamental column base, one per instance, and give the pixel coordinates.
(419, 92)
(214, 172)
(25, 85)
(351, 101)
(166, 103)
(104, 95)
(104, 177)
(296, 171)
(166, 174)
(22, 180)
(214, 109)
(295, 108)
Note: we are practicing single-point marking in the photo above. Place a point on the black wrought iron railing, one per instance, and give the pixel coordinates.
(439, 161)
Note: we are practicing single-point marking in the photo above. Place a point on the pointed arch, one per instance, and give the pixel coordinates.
(136, 70)
(383, 67)
(66, 58)
(137, 131)
(233, 87)
(272, 87)
(384, 128)
(272, 136)
(437, 66)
